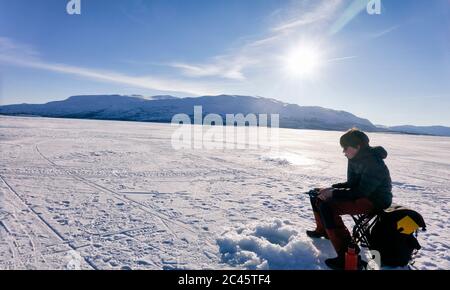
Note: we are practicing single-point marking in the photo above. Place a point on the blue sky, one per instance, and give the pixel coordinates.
(392, 68)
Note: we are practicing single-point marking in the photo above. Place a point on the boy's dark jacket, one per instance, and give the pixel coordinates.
(367, 176)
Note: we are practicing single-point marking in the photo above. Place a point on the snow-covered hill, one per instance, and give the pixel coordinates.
(162, 109)
(423, 130)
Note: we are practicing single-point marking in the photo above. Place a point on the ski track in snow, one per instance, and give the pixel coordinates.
(114, 195)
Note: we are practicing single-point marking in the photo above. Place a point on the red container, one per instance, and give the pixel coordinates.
(351, 259)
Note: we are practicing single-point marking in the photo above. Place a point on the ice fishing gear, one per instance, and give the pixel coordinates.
(392, 232)
(401, 225)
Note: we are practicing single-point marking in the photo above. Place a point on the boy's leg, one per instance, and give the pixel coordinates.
(320, 229)
(331, 212)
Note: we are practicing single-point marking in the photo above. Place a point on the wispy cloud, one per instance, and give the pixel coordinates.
(336, 59)
(12, 48)
(322, 12)
(384, 32)
(229, 71)
(214, 75)
(265, 41)
(257, 51)
(21, 55)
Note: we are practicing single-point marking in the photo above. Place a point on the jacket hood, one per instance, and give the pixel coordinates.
(379, 152)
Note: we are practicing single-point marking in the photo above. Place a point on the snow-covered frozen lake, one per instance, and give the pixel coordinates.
(116, 195)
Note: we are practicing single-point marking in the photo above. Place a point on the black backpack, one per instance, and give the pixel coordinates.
(394, 235)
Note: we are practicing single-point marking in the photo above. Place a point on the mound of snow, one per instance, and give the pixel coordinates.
(271, 245)
(276, 160)
(287, 158)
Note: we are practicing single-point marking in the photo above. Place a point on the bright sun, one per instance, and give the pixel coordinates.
(303, 61)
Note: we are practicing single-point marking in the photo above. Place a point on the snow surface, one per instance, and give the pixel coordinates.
(82, 194)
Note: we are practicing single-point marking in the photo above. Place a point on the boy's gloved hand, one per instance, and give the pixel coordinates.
(325, 193)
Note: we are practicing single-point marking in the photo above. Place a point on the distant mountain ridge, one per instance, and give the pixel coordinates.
(422, 130)
(162, 108)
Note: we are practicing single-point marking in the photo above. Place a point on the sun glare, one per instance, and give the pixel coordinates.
(303, 61)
